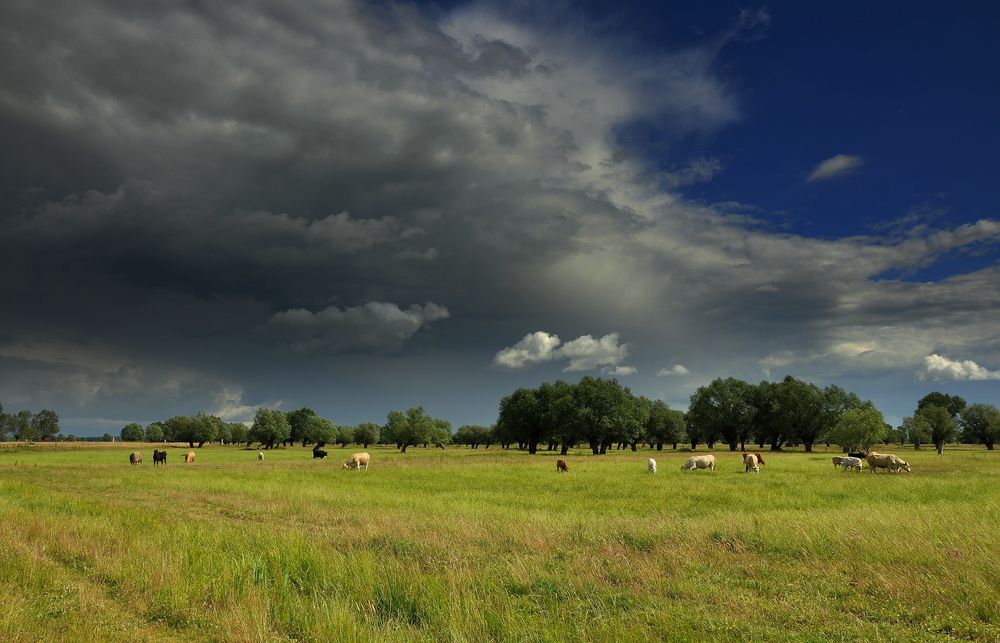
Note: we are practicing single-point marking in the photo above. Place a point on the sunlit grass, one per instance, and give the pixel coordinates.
(478, 545)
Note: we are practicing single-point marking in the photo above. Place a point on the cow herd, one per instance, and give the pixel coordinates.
(356, 461)
(751, 461)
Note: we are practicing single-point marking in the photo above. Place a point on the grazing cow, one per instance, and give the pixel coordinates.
(760, 458)
(851, 463)
(260, 455)
(159, 457)
(562, 466)
(651, 465)
(750, 463)
(886, 461)
(699, 462)
(189, 456)
(319, 453)
(135, 458)
(837, 461)
(357, 460)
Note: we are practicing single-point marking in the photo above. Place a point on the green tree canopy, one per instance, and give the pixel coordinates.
(299, 422)
(132, 432)
(981, 423)
(723, 409)
(270, 427)
(951, 403)
(154, 432)
(859, 429)
(46, 424)
(366, 433)
(941, 423)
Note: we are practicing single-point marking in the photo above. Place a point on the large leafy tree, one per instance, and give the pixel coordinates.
(5, 425)
(203, 428)
(664, 425)
(345, 435)
(522, 418)
(916, 429)
(951, 403)
(981, 423)
(471, 435)
(408, 429)
(722, 409)
(941, 423)
(440, 435)
(270, 427)
(132, 432)
(607, 412)
(558, 413)
(859, 429)
(154, 432)
(318, 431)
(366, 433)
(298, 420)
(238, 432)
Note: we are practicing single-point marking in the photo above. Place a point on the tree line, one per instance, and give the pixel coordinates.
(25, 425)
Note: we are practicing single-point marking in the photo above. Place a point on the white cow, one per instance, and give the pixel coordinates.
(851, 463)
(651, 465)
(260, 455)
(699, 462)
(750, 463)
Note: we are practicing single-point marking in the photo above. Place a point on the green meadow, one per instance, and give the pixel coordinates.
(463, 545)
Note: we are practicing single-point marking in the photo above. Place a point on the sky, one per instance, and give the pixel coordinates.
(366, 206)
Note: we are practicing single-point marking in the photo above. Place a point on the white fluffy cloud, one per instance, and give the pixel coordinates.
(583, 353)
(939, 368)
(835, 166)
(676, 369)
(371, 327)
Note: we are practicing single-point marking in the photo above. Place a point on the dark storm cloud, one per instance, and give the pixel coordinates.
(220, 200)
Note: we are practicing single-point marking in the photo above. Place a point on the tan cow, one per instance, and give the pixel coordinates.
(135, 457)
(699, 462)
(886, 461)
(358, 460)
(750, 463)
(189, 456)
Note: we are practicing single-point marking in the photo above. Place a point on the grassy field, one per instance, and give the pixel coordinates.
(490, 545)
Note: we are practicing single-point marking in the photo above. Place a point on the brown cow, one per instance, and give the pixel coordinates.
(189, 456)
(562, 466)
(135, 458)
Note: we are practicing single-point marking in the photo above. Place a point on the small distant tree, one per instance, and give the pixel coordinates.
(916, 429)
(71, 438)
(24, 429)
(5, 425)
(154, 432)
(178, 428)
(366, 433)
(941, 423)
(45, 424)
(107, 437)
(664, 425)
(981, 424)
(471, 435)
(859, 429)
(270, 427)
(132, 432)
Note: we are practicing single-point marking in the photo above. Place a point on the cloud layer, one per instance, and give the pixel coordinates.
(237, 198)
(939, 368)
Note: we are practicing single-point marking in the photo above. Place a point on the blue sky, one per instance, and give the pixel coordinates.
(362, 207)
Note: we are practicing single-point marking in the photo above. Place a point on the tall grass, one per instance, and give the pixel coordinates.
(489, 545)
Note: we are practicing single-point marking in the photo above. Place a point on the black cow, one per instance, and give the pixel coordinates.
(319, 453)
(858, 454)
(159, 457)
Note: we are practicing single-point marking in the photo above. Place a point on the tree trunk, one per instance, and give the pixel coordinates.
(201, 444)
(732, 446)
(809, 447)
(403, 448)
(564, 450)
(659, 446)
(989, 446)
(190, 444)
(675, 446)
(940, 447)
(633, 446)
(532, 447)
